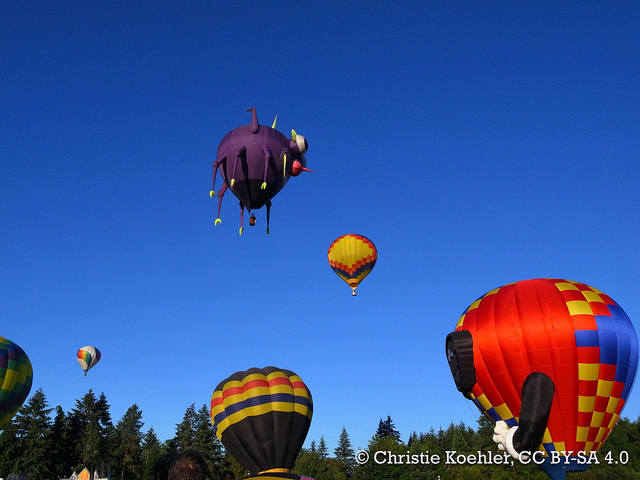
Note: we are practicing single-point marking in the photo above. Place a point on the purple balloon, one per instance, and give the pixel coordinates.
(255, 162)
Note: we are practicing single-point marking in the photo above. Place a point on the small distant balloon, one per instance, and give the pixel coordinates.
(87, 357)
(16, 377)
(352, 257)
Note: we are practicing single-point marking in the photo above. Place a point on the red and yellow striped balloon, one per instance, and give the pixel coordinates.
(352, 257)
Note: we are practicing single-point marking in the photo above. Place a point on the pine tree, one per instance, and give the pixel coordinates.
(322, 448)
(207, 443)
(9, 448)
(34, 437)
(413, 439)
(459, 438)
(344, 453)
(185, 437)
(387, 428)
(93, 431)
(129, 451)
(61, 463)
(152, 453)
(308, 463)
(169, 452)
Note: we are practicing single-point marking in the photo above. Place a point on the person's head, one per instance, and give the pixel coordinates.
(228, 475)
(189, 465)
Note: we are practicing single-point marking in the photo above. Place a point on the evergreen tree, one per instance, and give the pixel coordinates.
(152, 453)
(322, 448)
(484, 434)
(61, 463)
(185, 430)
(444, 437)
(129, 450)
(108, 433)
(9, 448)
(331, 469)
(382, 471)
(307, 463)
(207, 443)
(459, 439)
(34, 437)
(386, 428)
(169, 452)
(344, 453)
(93, 432)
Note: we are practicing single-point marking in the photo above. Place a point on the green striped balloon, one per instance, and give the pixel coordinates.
(16, 376)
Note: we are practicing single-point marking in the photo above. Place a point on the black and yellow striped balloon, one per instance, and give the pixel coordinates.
(262, 416)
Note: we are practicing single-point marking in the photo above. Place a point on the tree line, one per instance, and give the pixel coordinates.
(458, 453)
(47, 443)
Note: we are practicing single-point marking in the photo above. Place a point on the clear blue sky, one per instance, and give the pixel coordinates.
(476, 143)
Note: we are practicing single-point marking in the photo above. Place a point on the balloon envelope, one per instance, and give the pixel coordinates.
(256, 162)
(573, 333)
(262, 417)
(16, 377)
(250, 175)
(352, 257)
(87, 357)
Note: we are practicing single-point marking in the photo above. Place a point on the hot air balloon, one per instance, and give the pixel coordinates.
(16, 376)
(87, 357)
(262, 417)
(352, 257)
(551, 362)
(256, 162)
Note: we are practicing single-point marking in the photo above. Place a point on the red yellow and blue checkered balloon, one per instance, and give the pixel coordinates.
(262, 417)
(16, 376)
(352, 257)
(573, 333)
